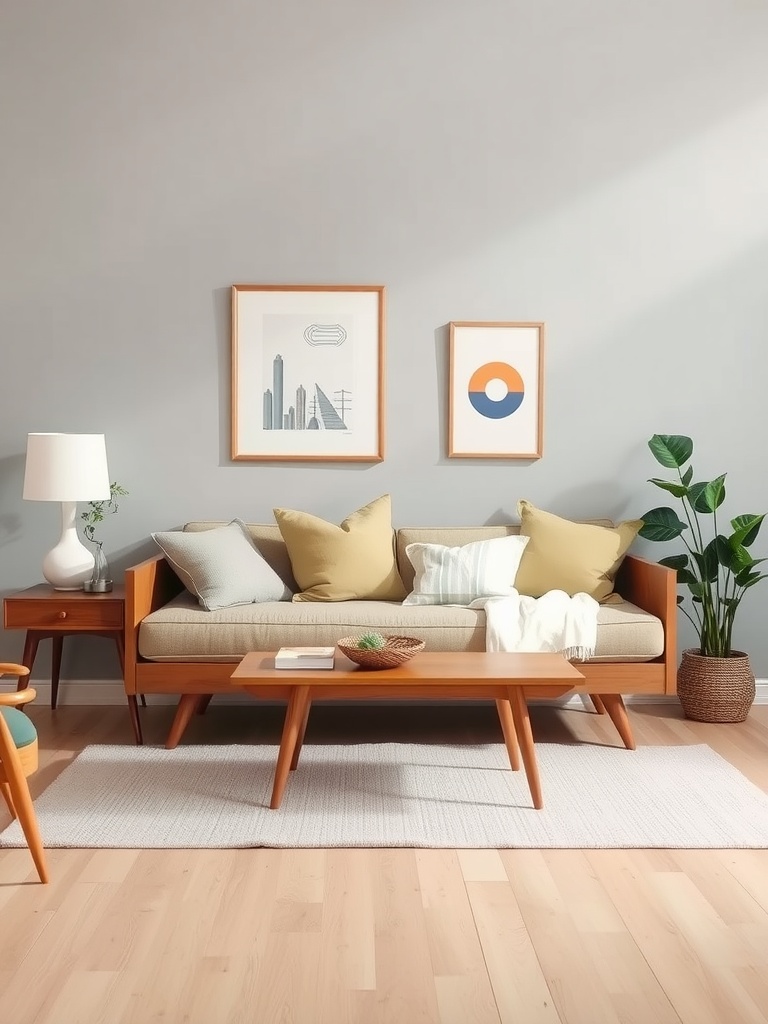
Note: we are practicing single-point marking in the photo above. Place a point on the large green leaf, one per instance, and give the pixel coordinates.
(688, 475)
(697, 589)
(671, 450)
(746, 528)
(661, 524)
(707, 495)
(675, 562)
(732, 555)
(678, 490)
(756, 579)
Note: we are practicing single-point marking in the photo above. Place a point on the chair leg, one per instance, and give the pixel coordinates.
(25, 810)
(5, 789)
(598, 703)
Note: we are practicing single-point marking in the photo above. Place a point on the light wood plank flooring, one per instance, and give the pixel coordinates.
(380, 936)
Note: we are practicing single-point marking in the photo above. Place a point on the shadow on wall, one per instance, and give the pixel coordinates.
(11, 484)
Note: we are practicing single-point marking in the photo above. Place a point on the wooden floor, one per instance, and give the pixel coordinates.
(375, 936)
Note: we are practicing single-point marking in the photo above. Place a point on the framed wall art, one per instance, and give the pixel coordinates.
(496, 390)
(308, 372)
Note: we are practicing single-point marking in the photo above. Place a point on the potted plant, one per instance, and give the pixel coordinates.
(715, 682)
(97, 511)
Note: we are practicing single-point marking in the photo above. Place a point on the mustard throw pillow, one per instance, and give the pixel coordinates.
(574, 557)
(351, 562)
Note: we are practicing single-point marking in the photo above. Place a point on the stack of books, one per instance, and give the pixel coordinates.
(305, 657)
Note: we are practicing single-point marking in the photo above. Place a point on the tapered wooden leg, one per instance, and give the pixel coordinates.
(510, 737)
(617, 713)
(5, 789)
(300, 739)
(133, 711)
(298, 705)
(182, 718)
(522, 722)
(57, 643)
(25, 812)
(203, 703)
(598, 703)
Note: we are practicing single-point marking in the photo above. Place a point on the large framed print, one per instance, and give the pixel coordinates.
(496, 390)
(308, 372)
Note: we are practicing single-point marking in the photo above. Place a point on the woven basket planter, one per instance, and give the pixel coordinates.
(715, 689)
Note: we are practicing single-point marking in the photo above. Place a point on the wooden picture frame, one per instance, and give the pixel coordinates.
(496, 390)
(308, 373)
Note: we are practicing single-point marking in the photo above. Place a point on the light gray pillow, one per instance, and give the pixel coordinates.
(221, 567)
(460, 575)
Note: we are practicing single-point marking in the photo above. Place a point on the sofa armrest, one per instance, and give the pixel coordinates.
(148, 586)
(653, 588)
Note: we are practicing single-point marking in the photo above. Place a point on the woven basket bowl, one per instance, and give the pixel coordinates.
(397, 651)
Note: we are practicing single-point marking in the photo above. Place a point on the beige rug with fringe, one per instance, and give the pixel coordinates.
(399, 794)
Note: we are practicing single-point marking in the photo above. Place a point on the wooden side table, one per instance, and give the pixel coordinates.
(46, 613)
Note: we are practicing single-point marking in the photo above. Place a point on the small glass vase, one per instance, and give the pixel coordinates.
(100, 581)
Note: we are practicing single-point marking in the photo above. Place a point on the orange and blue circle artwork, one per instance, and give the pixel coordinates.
(496, 390)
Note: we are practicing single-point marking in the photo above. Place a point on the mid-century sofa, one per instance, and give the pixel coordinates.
(174, 646)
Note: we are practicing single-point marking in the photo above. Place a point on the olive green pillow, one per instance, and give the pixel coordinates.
(351, 562)
(574, 557)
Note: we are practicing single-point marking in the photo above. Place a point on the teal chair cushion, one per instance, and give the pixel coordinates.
(22, 731)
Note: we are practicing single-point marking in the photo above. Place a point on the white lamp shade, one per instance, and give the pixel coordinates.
(66, 467)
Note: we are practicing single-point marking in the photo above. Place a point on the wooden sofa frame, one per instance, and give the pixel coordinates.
(152, 583)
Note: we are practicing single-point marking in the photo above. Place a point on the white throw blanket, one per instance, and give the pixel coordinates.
(552, 622)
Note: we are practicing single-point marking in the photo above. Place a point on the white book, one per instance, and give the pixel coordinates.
(305, 657)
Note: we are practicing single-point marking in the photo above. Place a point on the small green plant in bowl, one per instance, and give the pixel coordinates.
(371, 642)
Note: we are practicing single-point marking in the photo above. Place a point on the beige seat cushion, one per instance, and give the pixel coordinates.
(182, 631)
(574, 557)
(351, 562)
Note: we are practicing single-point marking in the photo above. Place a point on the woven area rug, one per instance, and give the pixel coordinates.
(397, 794)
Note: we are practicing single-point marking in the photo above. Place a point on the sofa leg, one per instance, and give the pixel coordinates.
(202, 703)
(598, 703)
(614, 705)
(187, 707)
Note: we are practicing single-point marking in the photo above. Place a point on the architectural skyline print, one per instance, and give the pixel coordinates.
(318, 411)
(307, 372)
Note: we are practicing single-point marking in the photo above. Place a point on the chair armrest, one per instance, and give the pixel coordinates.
(14, 700)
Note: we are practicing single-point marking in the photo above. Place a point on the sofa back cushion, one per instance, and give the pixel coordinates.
(353, 561)
(268, 541)
(449, 536)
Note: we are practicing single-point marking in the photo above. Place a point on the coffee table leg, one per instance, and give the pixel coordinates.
(510, 737)
(300, 739)
(298, 705)
(525, 736)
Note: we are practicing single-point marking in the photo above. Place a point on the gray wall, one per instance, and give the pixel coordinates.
(597, 165)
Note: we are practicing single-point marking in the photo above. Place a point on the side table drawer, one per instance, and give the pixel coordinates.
(63, 614)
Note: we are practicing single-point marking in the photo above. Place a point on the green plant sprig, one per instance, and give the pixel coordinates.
(717, 572)
(97, 511)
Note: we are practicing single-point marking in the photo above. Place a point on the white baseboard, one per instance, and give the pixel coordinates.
(110, 691)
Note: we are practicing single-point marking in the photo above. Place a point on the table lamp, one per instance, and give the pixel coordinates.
(67, 468)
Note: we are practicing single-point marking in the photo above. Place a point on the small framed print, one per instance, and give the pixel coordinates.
(496, 390)
(308, 373)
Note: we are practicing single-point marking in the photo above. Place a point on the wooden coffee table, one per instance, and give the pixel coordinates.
(509, 679)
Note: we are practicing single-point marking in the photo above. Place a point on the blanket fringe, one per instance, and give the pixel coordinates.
(579, 653)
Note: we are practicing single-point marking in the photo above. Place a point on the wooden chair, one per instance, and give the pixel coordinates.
(18, 759)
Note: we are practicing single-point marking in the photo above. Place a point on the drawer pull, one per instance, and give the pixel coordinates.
(62, 615)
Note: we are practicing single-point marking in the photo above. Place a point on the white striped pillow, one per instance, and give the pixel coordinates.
(484, 568)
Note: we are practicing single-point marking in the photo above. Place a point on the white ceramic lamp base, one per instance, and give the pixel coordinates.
(70, 563)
